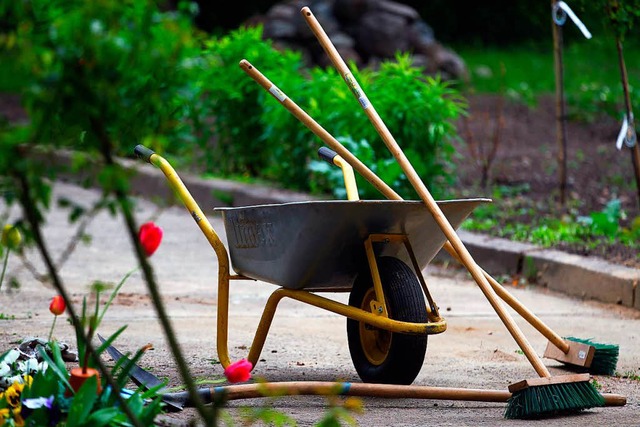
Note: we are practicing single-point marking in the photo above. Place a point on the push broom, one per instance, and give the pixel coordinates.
(597, 358)
(530, 398)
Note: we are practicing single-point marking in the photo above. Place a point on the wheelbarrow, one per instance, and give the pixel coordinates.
(374, 249)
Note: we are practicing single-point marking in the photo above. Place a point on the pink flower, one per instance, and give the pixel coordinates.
(57, 306)
(239, 371)
(150, 236)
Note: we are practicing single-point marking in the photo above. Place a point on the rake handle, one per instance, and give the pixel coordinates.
(424, 194)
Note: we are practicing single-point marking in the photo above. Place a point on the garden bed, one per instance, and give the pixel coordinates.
(524, 178)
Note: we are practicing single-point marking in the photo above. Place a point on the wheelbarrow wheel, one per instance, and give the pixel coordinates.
(381, 356)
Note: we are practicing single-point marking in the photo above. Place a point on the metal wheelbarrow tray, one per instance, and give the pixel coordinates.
(319, 245)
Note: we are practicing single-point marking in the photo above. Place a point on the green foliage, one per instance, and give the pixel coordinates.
(241, 145)
(43, 398)
(419, 112)
(106, 72)
(597, 228)
(619, 16)
(255, 136)
(605, 222)
(96, 78)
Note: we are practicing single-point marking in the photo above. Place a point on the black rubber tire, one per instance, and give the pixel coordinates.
(403, 355)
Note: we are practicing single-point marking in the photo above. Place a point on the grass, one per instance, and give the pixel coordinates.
(629, 375)
(591, 70)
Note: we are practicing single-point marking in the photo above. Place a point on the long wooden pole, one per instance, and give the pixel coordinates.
(421, 189)
(561, 130)
(389, 391)
(318, 130)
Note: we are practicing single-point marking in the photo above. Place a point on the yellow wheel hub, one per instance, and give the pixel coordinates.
(375, 342)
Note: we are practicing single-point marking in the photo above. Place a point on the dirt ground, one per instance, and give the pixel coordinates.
(525, 163)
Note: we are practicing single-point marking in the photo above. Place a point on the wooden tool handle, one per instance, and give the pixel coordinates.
(424, 194)
(314, 388)
(523, 311)
(390, 391)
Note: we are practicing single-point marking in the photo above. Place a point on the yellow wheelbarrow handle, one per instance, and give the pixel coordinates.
(212, 237)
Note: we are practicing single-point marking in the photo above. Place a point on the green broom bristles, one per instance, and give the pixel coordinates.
(552, 399)
(605, 358)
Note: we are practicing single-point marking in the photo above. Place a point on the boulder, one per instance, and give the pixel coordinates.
(367, 32)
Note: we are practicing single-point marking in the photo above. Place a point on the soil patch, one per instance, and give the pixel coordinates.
(525, 168)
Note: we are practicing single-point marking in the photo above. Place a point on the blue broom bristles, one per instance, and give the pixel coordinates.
(552, 399)
(605, 358)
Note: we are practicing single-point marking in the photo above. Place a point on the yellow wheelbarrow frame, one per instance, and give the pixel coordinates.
(377, 317)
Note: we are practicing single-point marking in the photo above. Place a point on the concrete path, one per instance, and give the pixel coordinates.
(307, 343)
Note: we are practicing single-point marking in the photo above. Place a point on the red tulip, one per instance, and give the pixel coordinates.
(57, 306)
(238, 371)
(150, 236)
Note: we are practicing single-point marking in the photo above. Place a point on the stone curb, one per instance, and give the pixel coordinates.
(583, 277)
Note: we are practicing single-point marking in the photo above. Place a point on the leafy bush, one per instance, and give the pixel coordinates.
(419, 111)
(239, 144)
(105, 72)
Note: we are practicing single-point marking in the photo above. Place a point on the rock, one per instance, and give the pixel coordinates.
(29, 348)
(366, 32)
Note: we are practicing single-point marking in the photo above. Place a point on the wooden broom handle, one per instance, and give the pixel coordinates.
(388, 192)
(424, 194)
(392, 391)
(520, 308)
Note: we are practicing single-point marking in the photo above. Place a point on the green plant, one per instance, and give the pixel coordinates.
(38, 390)
(597, 228)
(100, 75)
(116, 70)
(241, 145)
(421, 120)
(629, 375)
(45, 393)
(605, 222)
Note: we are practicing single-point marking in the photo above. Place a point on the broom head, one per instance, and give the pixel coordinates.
(550, 396)
(596, 358)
